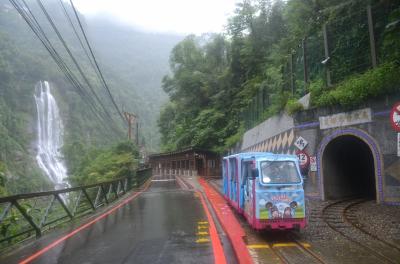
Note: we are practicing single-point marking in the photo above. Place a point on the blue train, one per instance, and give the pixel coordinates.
(266, 188)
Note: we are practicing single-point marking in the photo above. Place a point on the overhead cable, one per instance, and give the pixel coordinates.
(32, 22)
(95, 62)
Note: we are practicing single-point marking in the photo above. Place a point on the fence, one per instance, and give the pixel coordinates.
(25, 215)
(352, 42)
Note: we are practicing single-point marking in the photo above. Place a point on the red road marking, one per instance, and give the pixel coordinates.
(58, 241)
(229, 223)
(219, 256)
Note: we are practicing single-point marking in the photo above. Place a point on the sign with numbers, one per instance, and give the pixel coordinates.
(313, 163)
(395, 117)
(304, 159)
(301, 143)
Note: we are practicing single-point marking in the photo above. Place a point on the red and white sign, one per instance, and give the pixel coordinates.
(313, 163)
(304, 159)
(395, 117)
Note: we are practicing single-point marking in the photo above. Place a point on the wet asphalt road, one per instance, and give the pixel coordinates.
(159, 226)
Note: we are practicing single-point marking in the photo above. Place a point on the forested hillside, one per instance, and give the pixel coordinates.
(124, 55)
(271, 54)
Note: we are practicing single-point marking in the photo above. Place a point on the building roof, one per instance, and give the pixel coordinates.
(182, 151)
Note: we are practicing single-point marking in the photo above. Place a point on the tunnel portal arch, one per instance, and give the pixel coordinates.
(349, 161)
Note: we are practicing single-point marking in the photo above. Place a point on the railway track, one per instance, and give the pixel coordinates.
(340, 217)
(350, 217)
(296, 253)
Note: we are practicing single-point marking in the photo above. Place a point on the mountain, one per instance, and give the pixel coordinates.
(133, 63)
(138, 60)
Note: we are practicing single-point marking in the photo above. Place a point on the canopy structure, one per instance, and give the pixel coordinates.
(190, 161)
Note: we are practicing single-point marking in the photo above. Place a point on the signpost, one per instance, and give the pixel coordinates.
(395, 117)
(398, 144)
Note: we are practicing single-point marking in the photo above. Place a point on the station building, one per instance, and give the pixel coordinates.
(189, 162)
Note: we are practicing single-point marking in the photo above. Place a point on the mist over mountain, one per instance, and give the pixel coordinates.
(138, 60)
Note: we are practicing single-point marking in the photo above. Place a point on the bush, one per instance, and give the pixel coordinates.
(106, 164)
(293, 106)
(355, 90)
(232, 140)
(316, 89)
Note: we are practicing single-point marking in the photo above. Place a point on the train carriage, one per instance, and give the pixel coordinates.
(266, 188)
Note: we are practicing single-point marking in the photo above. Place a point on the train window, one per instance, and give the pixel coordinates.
(279, 172)
(224, 169)
(232, 169)
(247, 173)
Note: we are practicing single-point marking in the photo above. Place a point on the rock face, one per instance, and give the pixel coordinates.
(50, 135)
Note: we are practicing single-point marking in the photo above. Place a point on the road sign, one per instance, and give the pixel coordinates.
(395, 117)
(313, 163)
(300, 143)
(304, 159)
(398, 144)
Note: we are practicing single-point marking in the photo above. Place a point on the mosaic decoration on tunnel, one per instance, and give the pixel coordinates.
(282, 143)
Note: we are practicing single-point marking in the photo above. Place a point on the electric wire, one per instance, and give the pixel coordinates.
(95, 62)
(39, 32)
(71, 75)
(80, 40)
(81, 43)
(49, 47)
(73, 58)
(77, 36)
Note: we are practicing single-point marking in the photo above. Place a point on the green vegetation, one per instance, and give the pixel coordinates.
(293, 106)
(3, 170)
(358, 88)
(223, 84)
(97, 165)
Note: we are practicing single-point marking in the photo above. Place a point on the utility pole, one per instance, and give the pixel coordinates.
(130, 118)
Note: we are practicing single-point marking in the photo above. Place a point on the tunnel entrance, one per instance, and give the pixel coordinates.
(348, 168)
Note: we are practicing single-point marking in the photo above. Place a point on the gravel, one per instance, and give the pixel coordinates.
(380, 220)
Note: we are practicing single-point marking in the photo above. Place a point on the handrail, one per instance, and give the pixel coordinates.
(23, 215)
(47, 193)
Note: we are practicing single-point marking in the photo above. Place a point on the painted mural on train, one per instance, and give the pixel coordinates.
(281, 205)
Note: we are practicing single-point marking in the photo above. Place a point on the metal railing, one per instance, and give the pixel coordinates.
(26, 215)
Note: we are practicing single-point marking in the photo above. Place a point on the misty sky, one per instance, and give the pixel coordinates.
(177, 16)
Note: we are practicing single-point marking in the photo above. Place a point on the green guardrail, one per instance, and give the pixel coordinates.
(28, 215)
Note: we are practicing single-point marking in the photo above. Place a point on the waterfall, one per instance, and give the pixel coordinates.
(50, 136)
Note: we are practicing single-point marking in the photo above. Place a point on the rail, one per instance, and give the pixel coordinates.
(23, 216)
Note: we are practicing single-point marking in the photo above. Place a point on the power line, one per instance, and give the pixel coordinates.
(73, 58)
(95, 61)
(80, 40)
(39, 32)
(77, 36)
(73, 78)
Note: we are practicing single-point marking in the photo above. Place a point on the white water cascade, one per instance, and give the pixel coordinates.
(50, 136)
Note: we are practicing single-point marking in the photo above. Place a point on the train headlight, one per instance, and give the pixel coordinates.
(293, 204)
